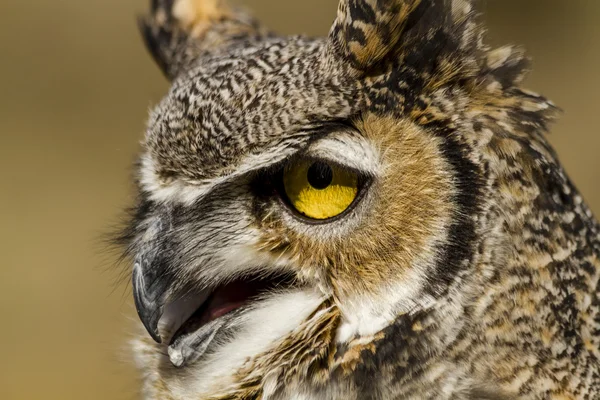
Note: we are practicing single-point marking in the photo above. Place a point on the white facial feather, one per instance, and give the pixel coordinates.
(238, 260)
(347, 148)
(367, 314)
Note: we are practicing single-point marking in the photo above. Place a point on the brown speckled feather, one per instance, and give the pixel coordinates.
(467, 205)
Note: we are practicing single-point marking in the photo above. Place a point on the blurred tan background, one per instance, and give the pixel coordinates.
(76, 84)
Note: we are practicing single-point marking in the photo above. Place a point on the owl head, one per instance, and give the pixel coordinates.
(310, 208)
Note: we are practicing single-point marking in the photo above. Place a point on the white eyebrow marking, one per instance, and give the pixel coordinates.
(349, 149)
(188, 192)
(344, 147)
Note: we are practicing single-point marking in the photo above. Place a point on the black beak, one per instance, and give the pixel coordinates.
(151, 289)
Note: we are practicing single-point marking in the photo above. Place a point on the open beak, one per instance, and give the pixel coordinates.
(192, 312)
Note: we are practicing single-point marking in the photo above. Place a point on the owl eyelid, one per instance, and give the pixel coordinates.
(329, 161)
(346, 149)
(274, 172)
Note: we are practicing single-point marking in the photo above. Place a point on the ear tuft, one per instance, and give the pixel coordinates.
(195, 16)
(177, 32)
(365, 31)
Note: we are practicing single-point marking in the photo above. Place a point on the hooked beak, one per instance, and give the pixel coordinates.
(151, 282)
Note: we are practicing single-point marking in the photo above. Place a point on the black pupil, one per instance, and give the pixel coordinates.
(320, 175)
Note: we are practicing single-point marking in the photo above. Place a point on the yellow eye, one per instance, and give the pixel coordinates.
(319, 190)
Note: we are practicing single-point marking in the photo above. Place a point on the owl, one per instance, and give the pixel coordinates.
(372, 215)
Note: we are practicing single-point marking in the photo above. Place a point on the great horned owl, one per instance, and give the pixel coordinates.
(371, 215)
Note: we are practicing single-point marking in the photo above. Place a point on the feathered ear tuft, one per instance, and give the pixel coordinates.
(176, 32)
(365, 31)
(368, 31)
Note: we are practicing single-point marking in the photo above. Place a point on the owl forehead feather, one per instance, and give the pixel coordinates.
(242, 101)
(239, 91)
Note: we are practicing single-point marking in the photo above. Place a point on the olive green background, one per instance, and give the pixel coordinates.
(76, 85)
